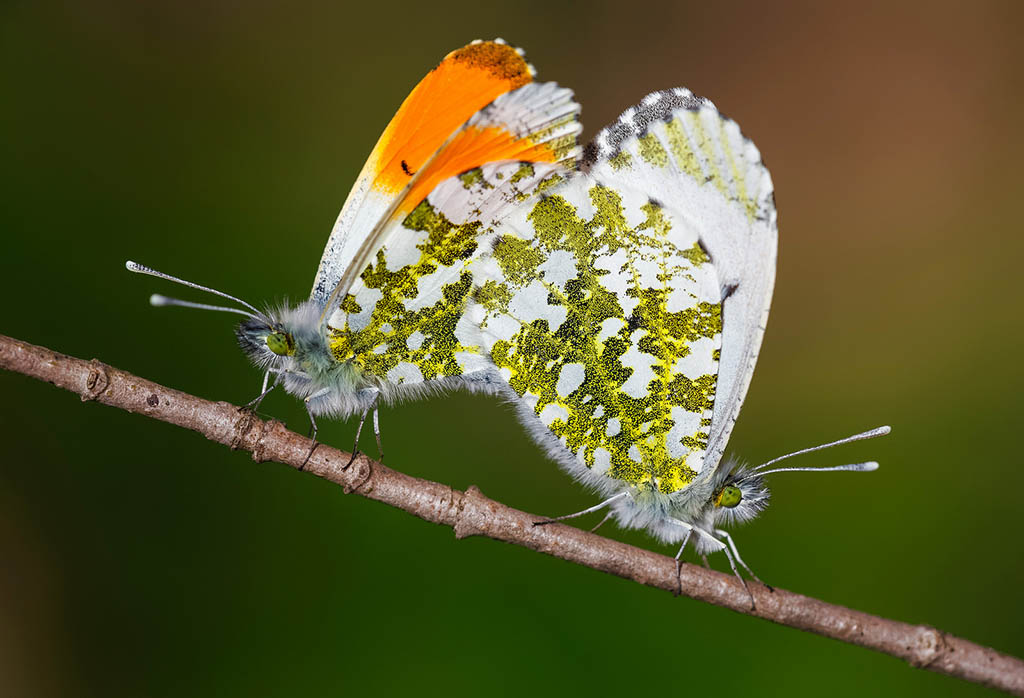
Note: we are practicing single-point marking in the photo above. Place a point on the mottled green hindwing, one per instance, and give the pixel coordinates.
(679, 149)
(603, 312)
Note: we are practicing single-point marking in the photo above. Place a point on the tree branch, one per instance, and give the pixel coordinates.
(470, 513)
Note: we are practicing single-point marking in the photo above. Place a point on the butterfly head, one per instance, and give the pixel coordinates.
(268, 345)
(283, 338)
(739, 494)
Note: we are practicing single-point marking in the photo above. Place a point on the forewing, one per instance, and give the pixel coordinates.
(600, 309)
(436, 134)
(681, 151)
(405, 321)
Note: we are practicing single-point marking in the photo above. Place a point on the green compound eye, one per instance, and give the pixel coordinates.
(281, 343)
(729, 497)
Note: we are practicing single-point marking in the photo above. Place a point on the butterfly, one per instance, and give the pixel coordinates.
(624, 308)
(617, 296)
(386, 318)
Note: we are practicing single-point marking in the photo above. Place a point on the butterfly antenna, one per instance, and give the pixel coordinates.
(880, 431)
(853, 467)
(158, 300)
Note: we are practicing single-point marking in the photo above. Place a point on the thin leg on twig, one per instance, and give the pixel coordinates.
(589, 510)
(732, 563)
(728, 539)
(264, 390)
(603, 521)
(312, 424)
(679, 565)
(355, 446)
(362, 421)
(376, 434)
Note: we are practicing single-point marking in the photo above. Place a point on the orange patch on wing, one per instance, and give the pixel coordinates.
(467, 80)
(470, 149)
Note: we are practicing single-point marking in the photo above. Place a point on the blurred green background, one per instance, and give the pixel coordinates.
(218, 140)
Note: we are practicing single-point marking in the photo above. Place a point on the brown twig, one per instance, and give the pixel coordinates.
(470, 513)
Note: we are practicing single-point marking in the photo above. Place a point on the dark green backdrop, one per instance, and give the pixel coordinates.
(218, 140)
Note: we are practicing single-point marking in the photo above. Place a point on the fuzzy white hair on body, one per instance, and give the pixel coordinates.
(692, 512)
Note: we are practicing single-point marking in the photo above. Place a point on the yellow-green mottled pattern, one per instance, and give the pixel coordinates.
(397, 334)
(474, 177)
(696, 127)
(680, 144)
(621, 160)
(608, 429)
(543, 185)
(690, 141)
(652, 151)
(737, 176)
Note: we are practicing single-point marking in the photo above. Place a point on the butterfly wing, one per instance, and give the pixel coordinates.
(427, 141)
(602, 313)
(404, 320)
(626, 309)
(681, 151)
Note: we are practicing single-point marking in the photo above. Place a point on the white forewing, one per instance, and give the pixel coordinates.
(362, 209)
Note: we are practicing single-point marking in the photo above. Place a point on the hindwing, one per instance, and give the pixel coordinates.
(601, 310)
(680, 150)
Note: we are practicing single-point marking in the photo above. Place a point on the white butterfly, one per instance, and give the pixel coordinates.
(625, 310)
(386, 317)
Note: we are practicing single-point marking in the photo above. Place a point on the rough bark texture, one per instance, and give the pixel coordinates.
(470, 513)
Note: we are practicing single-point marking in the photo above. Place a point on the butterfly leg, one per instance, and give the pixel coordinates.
(736, 552)
(719, 545)
(255, 403)
(312, 423)
(362, 420)
(679, 563)
(355, 446)
(589, 510)
(603, 521)
(376, 434)
(735, 571)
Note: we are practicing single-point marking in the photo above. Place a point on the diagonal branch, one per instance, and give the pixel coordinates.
(470, 513)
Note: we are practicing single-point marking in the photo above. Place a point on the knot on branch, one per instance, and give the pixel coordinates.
(929, 647)
(240, 438)
(97, 382)
(362, 473)
(468, 512)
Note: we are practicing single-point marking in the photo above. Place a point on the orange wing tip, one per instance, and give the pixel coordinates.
(502, 61)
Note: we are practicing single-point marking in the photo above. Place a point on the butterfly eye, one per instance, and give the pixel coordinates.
(281, 343)
(729, 497)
